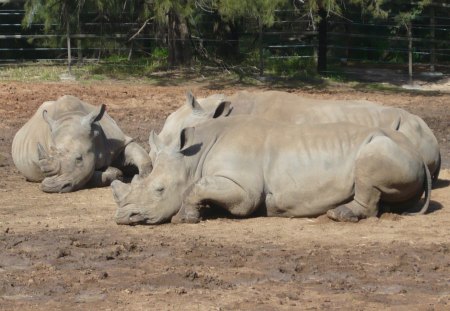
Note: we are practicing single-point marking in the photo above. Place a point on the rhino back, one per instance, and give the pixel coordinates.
(290, 164)
(422, 137)
(291, 108)
(314, 169)
(24, 145)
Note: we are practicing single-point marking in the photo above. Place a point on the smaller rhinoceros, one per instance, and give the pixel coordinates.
(68, 144)
(243, 163)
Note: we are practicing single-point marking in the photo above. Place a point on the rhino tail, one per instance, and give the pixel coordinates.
(437, 170)
(427, 186)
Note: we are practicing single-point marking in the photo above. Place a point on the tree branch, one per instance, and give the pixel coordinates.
(140, 29)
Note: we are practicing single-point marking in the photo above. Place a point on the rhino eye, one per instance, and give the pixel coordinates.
(79, 159)
(160, 189)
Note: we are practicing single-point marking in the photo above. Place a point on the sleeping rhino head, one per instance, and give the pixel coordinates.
(70, 162)
(155, 198)
(190, 115)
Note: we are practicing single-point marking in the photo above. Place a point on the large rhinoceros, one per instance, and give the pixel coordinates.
(68, 144)
(292, 108)
(244, 163)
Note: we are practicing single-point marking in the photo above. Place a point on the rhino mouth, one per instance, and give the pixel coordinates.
(131, 218)
(56, 185)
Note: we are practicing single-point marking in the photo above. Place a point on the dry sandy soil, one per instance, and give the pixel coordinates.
(64, 251)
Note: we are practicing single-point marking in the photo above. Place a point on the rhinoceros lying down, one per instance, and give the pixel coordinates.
(243, 163)
(292, 108)
(68, 144)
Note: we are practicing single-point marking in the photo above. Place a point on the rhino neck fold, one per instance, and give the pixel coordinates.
(195, 163)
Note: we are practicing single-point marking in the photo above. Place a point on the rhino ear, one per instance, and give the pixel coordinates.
(193, 103)
(186, 138)
(222, 110)
(48, 119)
(94, 116)
(155, 143)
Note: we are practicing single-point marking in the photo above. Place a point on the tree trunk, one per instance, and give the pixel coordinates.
(260, 43)
(234, 37)
(130, 53)
(229, 47)
(322, 53)
(433, 36)
(80, 51)
(79, 44)
(347, 43)
(180, 53)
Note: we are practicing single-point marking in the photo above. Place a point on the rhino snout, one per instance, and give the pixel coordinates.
(130, 218)
(56, 185)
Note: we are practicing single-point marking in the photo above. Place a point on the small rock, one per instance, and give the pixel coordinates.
(180, 291)
(103, 275)
(191, 275)
(62, 253)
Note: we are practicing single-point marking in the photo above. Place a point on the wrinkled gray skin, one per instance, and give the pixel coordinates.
(69, 144)
(342, 169)
(292, 108)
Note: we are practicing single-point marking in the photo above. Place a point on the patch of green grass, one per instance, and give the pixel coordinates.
(32, 72)
(390, 88)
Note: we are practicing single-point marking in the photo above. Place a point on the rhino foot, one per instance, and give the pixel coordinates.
(177, 219)
(342, 213)
(111, 174)
(104, 179)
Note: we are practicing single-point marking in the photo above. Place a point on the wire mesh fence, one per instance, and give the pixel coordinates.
(289, 41)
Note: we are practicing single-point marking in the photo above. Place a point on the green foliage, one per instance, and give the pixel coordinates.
(291, 66)
(408, 13)
(230, 31)
(184, 8)
(374, 8)
(262, 10)
(159, 57)
(119, 67)
(49, 12)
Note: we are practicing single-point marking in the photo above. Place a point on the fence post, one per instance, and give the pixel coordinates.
(69, 52)
(410, 69)
(433, 36)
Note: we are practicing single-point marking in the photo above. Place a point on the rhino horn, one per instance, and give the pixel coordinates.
(94, 116)
(193, 103)
(48, 119)
(155, 143)
(42, 154)
(120, 190)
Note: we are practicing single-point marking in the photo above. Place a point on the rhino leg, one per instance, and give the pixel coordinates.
(104, 179)
(364, 204)
(215, 190)
(384, 170)
(137, 156)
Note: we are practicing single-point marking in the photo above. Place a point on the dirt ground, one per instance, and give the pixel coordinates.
(64, 251)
